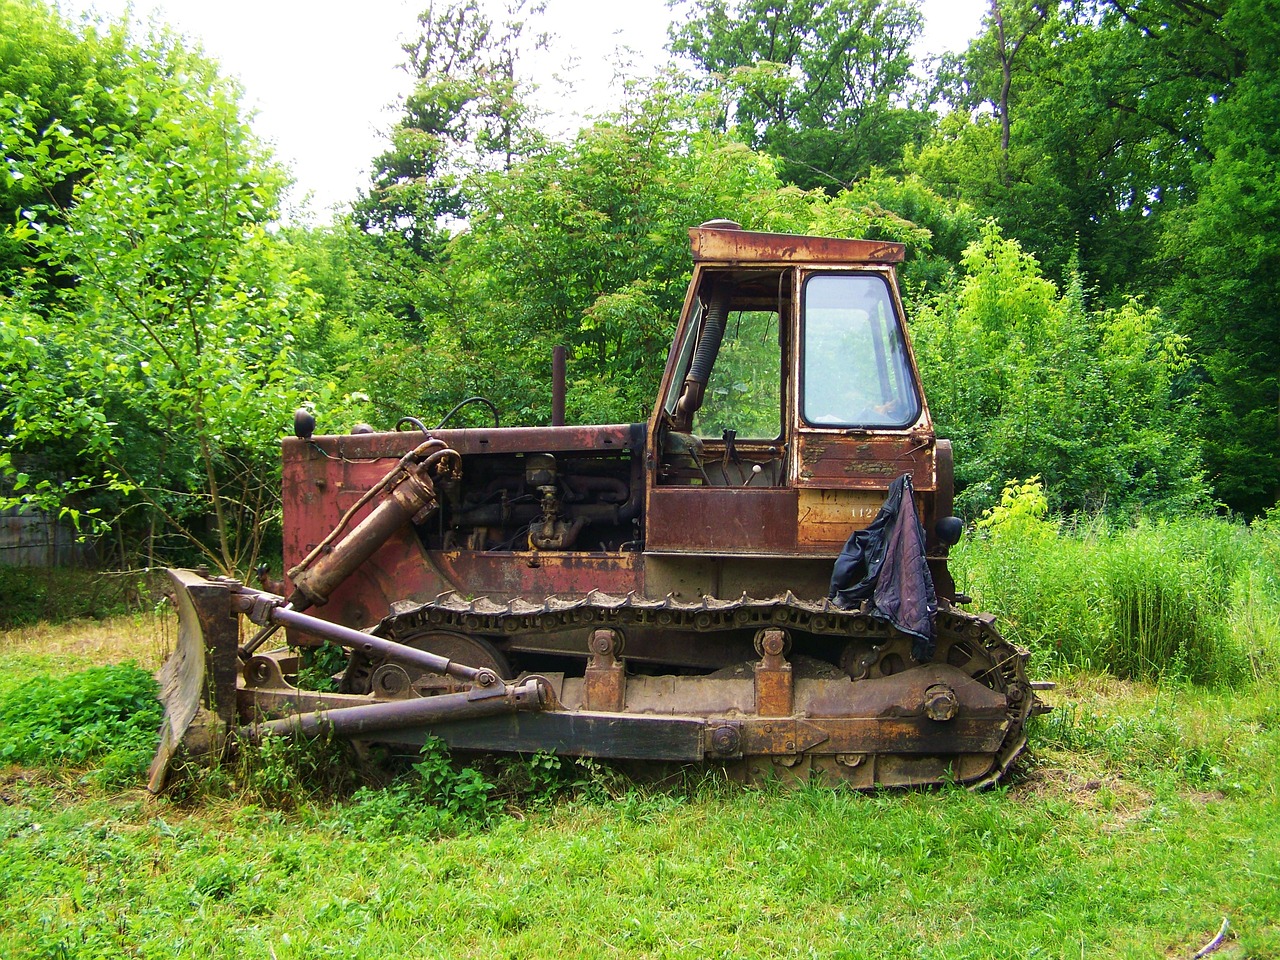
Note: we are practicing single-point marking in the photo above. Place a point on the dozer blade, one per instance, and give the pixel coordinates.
(208, 697)
(198, 680)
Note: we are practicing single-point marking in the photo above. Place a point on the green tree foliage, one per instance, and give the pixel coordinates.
(585, 245)
(369, 294)
(936, 230)
(380, 344)
(152, 387)
(467, 112)
(826, 86)
(154, 332)
(1134, 138)
(1229, 247)
(53, 76)
(1074, 132)
(582, 244)
(1102, 107)
(1028, 381)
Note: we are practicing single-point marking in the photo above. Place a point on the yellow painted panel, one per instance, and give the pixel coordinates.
(829, 516)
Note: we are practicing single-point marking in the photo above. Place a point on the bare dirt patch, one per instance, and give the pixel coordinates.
(1116, 800)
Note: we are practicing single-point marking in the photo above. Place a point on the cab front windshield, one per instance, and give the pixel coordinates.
(855, 370)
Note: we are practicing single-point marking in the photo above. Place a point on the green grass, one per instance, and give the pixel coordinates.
(1087, 853)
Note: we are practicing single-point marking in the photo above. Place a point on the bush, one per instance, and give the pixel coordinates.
(53, 595)
(439, 795)
(436, 796)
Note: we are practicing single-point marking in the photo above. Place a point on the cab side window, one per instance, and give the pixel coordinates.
(744, 393)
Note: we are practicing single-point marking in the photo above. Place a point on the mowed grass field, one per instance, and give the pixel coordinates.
(1144, 815)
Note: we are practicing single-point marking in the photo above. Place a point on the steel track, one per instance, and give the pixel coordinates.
(968, 641)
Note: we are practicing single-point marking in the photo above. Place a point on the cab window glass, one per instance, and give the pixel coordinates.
(684, 352)
(855, 370)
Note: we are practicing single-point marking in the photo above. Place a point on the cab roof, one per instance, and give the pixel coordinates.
(722, 242)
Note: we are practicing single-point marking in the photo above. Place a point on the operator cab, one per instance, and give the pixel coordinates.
(790, 400)
(748, 371)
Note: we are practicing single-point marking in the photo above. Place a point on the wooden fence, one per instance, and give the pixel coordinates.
(34, 539)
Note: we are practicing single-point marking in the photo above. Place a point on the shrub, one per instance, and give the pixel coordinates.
(35, 594)
(437, 796)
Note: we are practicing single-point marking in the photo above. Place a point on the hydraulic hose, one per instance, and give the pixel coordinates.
(704, 357)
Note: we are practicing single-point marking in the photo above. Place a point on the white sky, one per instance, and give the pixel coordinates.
(322, 75)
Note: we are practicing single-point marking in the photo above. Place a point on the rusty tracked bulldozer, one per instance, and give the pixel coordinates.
(756, 577)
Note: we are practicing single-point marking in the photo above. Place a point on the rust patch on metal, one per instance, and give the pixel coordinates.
(354, 448)
(722, 520)
(744, 246)
(866, 463)
(534, 573)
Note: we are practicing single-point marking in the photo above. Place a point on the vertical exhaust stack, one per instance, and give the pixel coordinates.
(558, 355)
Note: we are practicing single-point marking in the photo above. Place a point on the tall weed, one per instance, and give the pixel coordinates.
(1255, 608)
(1036, 574)
(1166, 601)
(279, 773)
(1196, 598)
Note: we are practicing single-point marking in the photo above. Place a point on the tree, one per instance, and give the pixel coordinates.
(467, 112)
(1028, 381)
(1140, 146)
(936, 230)
(51, 75)
(1012, 25)
(583, 244)
(1078, 128)
(1228, 244)
(826, 87)
(586, 245)
(159, 374)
